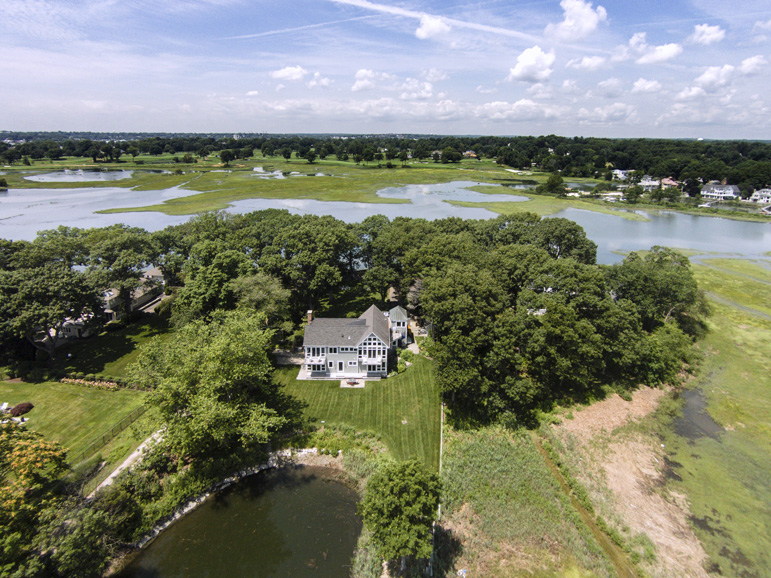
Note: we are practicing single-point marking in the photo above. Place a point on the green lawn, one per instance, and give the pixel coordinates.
(109, 353)
(381, 407)
(73, 415)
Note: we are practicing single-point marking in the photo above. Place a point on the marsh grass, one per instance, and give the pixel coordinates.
(380, 408)
(509, 512)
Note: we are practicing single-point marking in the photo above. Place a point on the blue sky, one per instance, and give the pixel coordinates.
(684, 68)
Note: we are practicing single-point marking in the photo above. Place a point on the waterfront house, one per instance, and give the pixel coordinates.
(718, 192)
(761, 196)
(346, 348)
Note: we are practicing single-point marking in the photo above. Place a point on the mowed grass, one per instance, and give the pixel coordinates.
(381, 408)
(73, 415)
(741, 282)
(508, 511)
(109, 353)
(728, 480)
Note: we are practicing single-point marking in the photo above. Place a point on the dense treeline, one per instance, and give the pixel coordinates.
(745, 163)
(522, 314)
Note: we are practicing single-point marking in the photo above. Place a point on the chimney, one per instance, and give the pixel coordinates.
(310, 316)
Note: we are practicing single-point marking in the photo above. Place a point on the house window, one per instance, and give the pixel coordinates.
(333, 350)
(352, 364)
(331, 363)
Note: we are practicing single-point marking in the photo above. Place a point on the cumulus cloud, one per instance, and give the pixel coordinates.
(293, 73)
(533, 65)
(706, 34)
(752, 65)
(715, 77)
(524, 109)
(414, 89)
(540, 91)
(570, 87)
(643, 85)
(610, 88)
(587, 63)
(485, 89)
(318, 80)
(364, 80)
(618, 111)
(648, 54)
(431, 26)
(580, 20)
(690, 93)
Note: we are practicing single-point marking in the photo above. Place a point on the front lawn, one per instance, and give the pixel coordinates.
(404, 410)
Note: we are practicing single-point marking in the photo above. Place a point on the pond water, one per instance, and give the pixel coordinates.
(296, 522)
(79, 176)
(695, 421)
(23, 212)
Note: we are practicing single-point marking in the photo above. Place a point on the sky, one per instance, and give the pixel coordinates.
(614, 68)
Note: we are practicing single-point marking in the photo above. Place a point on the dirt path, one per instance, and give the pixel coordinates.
(624, 473)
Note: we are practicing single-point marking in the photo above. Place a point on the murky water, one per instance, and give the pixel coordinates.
(79, 176)
(695, 421)
(291, 522)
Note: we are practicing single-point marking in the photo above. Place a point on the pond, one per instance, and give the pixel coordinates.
(79, 176)
(298, 522)
(23, 212)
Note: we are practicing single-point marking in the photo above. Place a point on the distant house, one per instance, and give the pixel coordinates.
(140, 297)
(339, 348)
(619, 175)
(155, 275)
(669, 183)
(718, 192)
(649, 184)
(399, 325)
(761, 196)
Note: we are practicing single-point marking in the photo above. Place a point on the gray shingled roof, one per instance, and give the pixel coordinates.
(398, 313)
(342, 332)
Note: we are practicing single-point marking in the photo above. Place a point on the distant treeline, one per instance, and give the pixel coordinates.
(744, 163)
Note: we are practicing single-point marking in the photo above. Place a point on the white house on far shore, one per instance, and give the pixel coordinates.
(761, 196)
(718, 192)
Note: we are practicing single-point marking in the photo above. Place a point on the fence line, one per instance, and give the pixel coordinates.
(110, 434)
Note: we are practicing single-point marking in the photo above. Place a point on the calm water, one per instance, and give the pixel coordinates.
(79, 176)
(23, 212)
(292, 522)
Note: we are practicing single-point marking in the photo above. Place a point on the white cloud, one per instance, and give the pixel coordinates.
(415, 89)
(706, 34)
(540, 91)
(615, 112)
(648, 54)
(580, 20)
(292, 73)
(280, 87)
(434, 75)
(318, 80)
(587, 63)
(762, 26)
(611, 88)
(690, 93)
(715, 77)
(486, 90)
(570, 87)
(752, 65)
(524, 109)
(643, 85)
(431, 26)
(533, 65)
(253, 93)
(365, 79)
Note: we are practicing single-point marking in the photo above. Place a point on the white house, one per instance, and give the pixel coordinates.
(718, 192)
(649, 184)
(761, 196)
(339, 348)
(399, 324)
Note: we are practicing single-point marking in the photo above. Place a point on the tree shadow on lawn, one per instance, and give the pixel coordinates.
(93, 354)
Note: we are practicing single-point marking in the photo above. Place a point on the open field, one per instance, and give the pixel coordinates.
(694, 495)
(72, 415)
(404, 410)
